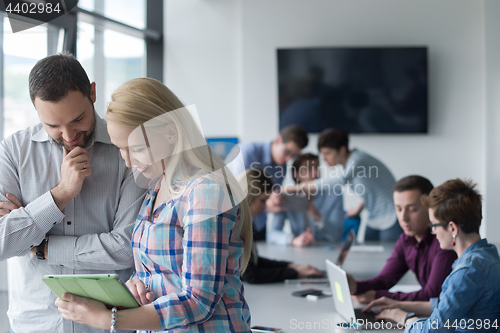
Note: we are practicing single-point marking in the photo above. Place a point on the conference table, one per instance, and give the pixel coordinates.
(273, 304)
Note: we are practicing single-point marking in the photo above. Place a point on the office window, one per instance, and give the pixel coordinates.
(124, 59)
(20, 53)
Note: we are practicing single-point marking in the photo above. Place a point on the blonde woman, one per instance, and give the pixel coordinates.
(193, 236)
(260, 269)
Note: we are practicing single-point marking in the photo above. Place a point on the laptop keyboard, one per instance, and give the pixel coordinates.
(368, 316)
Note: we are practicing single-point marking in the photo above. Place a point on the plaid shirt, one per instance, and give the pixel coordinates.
(187, 254)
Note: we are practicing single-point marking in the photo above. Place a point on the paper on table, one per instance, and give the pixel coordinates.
(367, 248)
(405, 288)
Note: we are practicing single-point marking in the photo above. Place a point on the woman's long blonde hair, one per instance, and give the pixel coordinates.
(137, 102)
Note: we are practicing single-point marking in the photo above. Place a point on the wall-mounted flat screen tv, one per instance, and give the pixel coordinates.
(357, 89)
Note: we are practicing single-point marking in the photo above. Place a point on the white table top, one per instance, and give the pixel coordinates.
(273, 304)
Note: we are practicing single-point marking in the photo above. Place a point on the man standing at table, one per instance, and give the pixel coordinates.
(69, 201)
(416, 249)
(272, 158)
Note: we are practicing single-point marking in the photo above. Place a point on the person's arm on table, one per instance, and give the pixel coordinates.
(313, 187)
(458, 296)
(268, 271)
(422, 308)
(304, 239)
(276, 235)
(440, 269)
(394, 269)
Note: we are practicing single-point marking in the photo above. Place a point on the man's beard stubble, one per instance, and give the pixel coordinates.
(86, 137)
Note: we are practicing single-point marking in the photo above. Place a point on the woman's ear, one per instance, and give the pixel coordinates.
(453, 227)
(172, 134)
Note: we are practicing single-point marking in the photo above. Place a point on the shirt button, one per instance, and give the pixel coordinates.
(68, 223)
(156, 215)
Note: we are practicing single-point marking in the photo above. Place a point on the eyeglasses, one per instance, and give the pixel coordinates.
(288, 152)
(435, 225)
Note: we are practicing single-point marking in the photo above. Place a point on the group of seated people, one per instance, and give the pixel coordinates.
(438, 237)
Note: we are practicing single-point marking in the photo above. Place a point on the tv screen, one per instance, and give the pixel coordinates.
(357, 89)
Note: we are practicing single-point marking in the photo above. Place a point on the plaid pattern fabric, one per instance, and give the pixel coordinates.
(187, 254)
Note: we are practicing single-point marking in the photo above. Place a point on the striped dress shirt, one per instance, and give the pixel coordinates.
(91, 235)
(188, 252)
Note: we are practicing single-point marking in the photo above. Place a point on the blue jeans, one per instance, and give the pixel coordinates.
(387, 235)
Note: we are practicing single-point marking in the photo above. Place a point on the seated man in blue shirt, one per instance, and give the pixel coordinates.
(307, 228)
(272, 158)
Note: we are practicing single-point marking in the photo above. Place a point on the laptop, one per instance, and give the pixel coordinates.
(354, 318)
(346, 246)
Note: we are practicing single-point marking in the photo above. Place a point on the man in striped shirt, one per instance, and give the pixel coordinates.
(68, 202)
(365, 175)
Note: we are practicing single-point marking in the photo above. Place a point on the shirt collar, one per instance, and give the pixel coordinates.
(480, 243)
(426, 239)
(267, 158)
(100, 133)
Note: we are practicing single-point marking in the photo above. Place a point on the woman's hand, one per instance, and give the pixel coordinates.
(384, 303)
(396, 315)
(84, 311)
(138, 290)
(305, 271)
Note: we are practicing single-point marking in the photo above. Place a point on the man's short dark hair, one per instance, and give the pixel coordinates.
(333, 138)
(413, 182)
(458, 201)
(52, 77)
(296, 134)
(308, 158)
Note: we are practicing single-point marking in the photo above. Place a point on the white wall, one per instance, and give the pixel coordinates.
(492, 133)
(203, 60)
(221, 55)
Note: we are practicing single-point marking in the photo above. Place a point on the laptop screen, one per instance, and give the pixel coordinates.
(344, 250)
(340, 291)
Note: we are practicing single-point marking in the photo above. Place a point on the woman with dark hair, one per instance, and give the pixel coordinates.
(260, 269)
(470, 296)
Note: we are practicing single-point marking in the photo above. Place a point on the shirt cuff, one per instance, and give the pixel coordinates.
(61, 250)
(44, 212)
